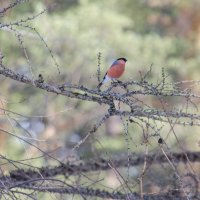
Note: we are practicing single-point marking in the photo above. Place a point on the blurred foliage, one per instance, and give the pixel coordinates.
(146, 32)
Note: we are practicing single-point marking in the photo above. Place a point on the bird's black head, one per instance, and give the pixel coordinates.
(124, 59)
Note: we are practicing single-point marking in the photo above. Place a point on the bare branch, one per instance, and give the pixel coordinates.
(12, 5)
(83, 93)
(101, 164)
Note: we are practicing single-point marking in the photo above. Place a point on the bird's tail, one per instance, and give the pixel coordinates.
(100, 84)
(104, 80)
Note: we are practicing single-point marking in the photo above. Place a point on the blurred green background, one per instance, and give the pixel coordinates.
(163, 33)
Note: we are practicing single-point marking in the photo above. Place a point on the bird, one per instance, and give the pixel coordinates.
(115, 71)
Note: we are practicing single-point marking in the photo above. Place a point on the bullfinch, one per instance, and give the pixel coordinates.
(115, 71)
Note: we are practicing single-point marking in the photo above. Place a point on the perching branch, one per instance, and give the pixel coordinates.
(107, 97)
